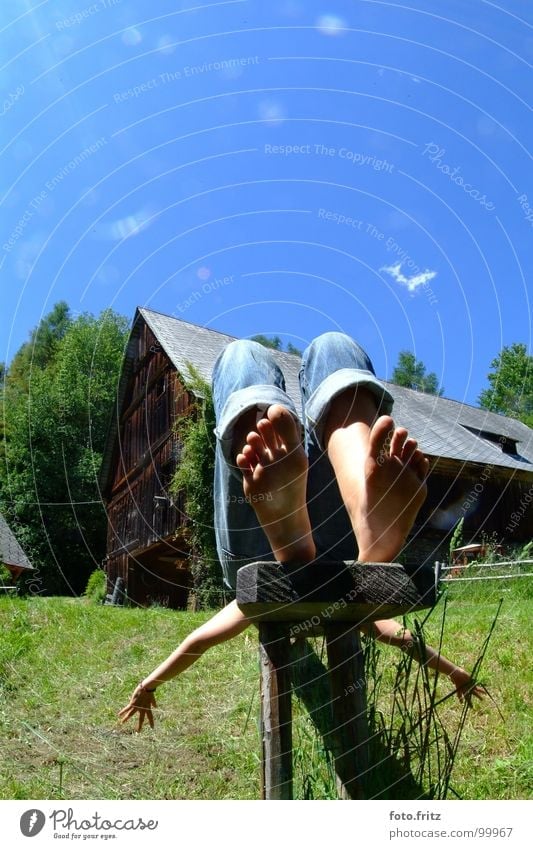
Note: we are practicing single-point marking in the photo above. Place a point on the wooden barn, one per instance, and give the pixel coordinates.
(12, 555)
(481, 462)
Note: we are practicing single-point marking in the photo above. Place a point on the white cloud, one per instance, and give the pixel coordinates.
(330, 24)
(411, 283)
(130, 225)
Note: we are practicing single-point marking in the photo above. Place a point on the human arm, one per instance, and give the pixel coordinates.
(393, 633)
(224, 625)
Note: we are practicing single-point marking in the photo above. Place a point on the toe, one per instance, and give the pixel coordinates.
(409, 448)
(380, 435)
(256, 442)
(420, 464)
(244, 464)
(268, 434)
(398, 441)
(285, 426)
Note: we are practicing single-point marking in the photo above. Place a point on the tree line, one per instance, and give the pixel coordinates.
(57, 396)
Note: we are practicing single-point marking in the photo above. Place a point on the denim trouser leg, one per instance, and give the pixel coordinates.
(245, 376)
(331, 364)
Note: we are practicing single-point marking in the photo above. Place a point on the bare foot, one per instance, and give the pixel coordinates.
(381, 475)
(274, 468)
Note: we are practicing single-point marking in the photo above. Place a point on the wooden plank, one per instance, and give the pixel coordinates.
(325, 591)
(311, 685)
(349, 730)
(276, 711)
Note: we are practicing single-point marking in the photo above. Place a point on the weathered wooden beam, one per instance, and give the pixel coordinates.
(276, 711)
(336, 597)
(311, 685)
(323, 591)
(349, 730)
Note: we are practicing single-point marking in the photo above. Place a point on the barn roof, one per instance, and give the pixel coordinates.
(11, 552)
(443, 428)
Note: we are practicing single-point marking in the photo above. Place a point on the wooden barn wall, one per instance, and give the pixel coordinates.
(146, 458)
(492, 501)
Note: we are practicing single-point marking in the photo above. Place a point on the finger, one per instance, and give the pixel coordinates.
(151, 718)
(128, 715)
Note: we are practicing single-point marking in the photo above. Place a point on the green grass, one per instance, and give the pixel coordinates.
(67, 666)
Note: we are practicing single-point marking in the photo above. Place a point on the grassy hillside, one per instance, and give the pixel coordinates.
(67, 666)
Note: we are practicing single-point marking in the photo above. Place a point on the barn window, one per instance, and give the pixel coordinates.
(507, 444)
(160, 387)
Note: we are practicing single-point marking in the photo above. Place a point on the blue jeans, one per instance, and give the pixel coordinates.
(245, 377)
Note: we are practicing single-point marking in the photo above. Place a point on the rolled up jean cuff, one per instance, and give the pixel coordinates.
(319, 404)
(231, 563)
(261, 397)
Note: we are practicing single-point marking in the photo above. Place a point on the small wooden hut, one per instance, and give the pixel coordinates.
(12, 555)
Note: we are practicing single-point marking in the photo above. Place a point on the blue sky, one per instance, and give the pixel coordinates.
(283, 168)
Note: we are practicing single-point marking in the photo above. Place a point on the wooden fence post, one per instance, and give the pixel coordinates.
(276, 711)
(349, 730)
(335, 597)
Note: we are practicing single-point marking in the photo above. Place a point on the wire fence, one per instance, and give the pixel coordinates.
(448, 574)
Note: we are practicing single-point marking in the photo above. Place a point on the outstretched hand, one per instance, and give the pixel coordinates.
(465, 686)
(142, 703)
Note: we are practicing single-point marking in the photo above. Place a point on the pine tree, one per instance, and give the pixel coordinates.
(412, 374)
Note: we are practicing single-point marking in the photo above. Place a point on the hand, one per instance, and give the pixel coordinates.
(142, 702)
(465, 686)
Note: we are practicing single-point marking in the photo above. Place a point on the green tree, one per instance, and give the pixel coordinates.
(411, 373)
(511, 384)
(268, 341)
(54, 435)
(275, 343)
(292, 349)
(42, 346)
(194, 478)
(2, 405)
